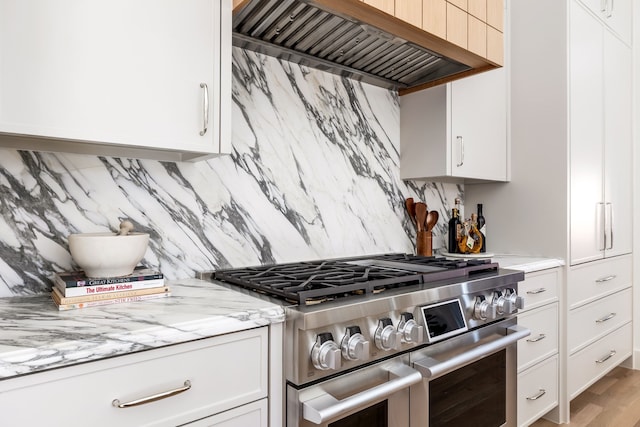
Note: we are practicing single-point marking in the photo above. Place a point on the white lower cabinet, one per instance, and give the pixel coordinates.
(599, 335)
(538, 354)
(537, 391)
(593, 362)
(200, 379)
(251, 415)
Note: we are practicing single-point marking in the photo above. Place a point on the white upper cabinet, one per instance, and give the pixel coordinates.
(601, 155)
(616, 14)
(145, 74)
(458, 130)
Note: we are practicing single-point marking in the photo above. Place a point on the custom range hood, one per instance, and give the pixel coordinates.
(351, 38)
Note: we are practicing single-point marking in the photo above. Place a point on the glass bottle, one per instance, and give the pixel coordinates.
(454, 231)
(482, 228)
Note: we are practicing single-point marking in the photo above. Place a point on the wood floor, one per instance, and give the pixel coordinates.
(614, 401)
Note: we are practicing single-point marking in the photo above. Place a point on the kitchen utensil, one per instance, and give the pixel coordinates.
(103, 255)
(421, 215)
(411, 209)
(424, 243)
(432, 219)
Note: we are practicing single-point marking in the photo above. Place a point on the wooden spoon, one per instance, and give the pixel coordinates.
(421, 215)
(432, 219)
(411, 209)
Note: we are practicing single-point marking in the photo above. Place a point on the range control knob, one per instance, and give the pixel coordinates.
(409, 330)
(517, 302)
(354, 344)
(483, 309)
(503, 304)
(386, 336)
(325, 353)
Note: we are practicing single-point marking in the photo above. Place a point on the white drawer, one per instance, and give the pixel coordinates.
(540, 288)
(537, 391)
(593, 362)
(590, 322)
(225, 372)
(590, 281)
(250, 415)
(543, 341)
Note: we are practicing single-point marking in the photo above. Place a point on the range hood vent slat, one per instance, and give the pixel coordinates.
(303, 31)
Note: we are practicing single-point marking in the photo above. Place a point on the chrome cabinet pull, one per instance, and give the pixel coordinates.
(205, 108)
(461, 142)
(325, 406)
(608, 226)
(605, 318)
(537, 291)
(606, 279)
(607, 357)
(603, 5)
(541, 393)
(602, 226)
(610, 9)
(155, 397)
(540, 337)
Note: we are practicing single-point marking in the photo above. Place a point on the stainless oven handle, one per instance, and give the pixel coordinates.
(326, 407)
(432, 368)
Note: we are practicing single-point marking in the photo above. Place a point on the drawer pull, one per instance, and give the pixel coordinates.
(155, 397)
(541, 393)
(537, 291)
(606, 279)
(536, 339)
(607, 357)
(605, 318)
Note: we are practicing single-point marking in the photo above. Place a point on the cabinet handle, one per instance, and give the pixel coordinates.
(610, 9)
(155, 397)
(605, 318)
(603, 5)
(205, 108)
(541, 393)
(461, 142)
(606, 279)
(540, 337)
(607, 357)
(536, 291)
(601, 224)
(608, 222)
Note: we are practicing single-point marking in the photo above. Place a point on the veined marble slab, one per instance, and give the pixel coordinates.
(525, 263)
(37, 337)
(314, 173)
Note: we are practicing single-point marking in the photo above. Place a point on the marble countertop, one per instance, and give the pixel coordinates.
(528, 264)
(36, 336)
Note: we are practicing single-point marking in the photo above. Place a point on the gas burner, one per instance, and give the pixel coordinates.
(308, 283)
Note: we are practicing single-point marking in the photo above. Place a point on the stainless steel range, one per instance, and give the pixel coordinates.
(382, 340)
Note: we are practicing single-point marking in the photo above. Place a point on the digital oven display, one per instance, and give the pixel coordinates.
(443, 320)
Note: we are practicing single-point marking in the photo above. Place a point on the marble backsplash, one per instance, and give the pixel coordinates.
(314, 173)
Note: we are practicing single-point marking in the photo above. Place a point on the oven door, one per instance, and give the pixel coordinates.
(374, 396)
(469, 379)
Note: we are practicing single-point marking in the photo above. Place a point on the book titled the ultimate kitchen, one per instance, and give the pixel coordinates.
(75, 284)
(59, 298)
(122, 299)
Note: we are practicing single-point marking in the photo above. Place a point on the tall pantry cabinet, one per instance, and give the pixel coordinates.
(570, 194)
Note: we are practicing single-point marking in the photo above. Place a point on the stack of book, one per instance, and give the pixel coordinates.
(75, 290)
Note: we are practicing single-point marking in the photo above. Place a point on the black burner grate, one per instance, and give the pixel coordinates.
(318, 281)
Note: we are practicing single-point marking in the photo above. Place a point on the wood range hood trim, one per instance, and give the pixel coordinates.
(309, 32)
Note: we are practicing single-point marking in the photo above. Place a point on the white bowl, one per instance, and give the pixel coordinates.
(108, 254)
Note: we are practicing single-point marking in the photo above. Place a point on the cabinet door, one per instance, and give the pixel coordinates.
(586, 127)
(123, 72)
(479, 126)
(618, 153)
